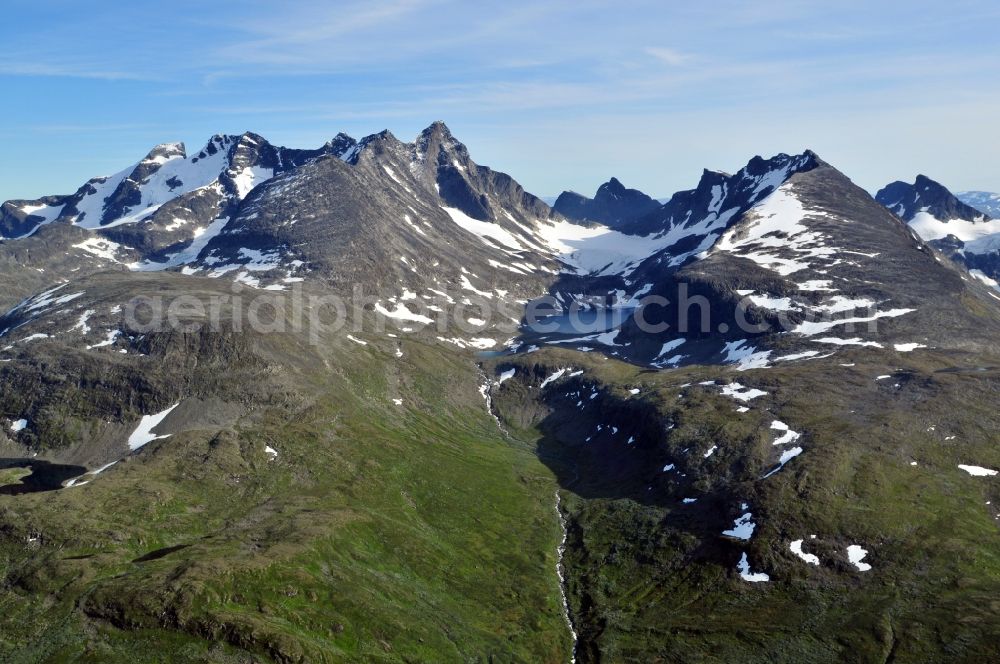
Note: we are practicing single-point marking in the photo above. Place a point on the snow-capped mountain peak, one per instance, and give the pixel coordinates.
(229, 165)
(966, 234)
(927, 198)
(164, 152)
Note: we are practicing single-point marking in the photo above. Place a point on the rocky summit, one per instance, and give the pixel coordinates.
(962, 232)
(373, 401)
(612, 205)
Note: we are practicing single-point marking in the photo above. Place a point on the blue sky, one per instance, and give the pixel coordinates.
(559, 94)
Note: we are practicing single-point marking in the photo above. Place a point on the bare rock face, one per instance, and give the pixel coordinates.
(613, 205)
(925, 195)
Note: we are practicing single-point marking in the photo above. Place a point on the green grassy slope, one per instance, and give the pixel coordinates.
(653, 579)
(379, 533)
(419, 531)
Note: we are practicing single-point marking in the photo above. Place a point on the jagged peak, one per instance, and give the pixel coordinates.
(340, 139)
(758, 169)
(167, 149)
(924, 183)
(613, 185)
(920, 182)
(225, 141)
(384, 135)
(438, 129)
(435, 138)
(372, 145)
(570, 194)
(342, 146)
(614, 189)
(807, 160)
(214, 144)
(718, 192)
(250, 138)
(711, 178)
(925, 194)
(383, 138)
(220, 139)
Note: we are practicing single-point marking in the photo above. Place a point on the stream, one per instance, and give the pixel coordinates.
(561, 573)
(485, 389)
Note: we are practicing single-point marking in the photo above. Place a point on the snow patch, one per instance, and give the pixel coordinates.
(753, 577)
(110, 339)
(143, 433)
(809, 328)
(484, 229)
(553, 377)
(787, 435)
(401, 312)
(796, 548)
(855, 554)
(785, 458)
(101, 248)
(745, 357)
(741, 393)
(977, 471)
(776, 226)
(743, 527)
(855, 341)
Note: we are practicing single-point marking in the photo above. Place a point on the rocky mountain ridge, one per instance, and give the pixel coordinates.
(963, 233)
(776, 418)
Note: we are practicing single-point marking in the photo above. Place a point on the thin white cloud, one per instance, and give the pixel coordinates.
(299, 37)
(801, 74)
(55, 69)
(668, 56)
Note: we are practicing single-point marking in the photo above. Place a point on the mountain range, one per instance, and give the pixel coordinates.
(986, 202)
(397, 408)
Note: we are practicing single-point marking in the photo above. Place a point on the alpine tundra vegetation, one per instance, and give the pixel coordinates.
(367, 399)
(427, 474)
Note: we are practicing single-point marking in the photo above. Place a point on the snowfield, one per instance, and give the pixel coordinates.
(143, 433)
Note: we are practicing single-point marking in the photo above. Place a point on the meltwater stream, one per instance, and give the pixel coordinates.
(561, 573)
(485, 390)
